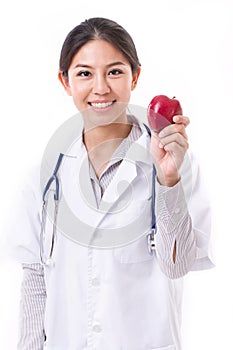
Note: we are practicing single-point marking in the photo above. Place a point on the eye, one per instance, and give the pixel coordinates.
(115, 72)
(83, 74)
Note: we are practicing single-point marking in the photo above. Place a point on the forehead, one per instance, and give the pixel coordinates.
(98, 51)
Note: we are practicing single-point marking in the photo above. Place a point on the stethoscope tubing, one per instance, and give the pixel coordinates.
(54, 179)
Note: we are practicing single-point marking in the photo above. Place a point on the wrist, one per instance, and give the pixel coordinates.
(168, 181)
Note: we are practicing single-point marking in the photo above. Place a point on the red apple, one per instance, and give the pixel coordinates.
(161, 111)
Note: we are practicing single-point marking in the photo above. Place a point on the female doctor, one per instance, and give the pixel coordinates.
(96, 276)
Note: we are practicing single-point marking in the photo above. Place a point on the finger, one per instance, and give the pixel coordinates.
(176, 149)
(173, 129)
(174, 139)
(181, 119)
(157, 151)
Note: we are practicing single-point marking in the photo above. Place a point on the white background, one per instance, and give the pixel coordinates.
(185, 48)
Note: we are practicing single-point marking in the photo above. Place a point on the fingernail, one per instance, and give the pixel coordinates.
(176, 118)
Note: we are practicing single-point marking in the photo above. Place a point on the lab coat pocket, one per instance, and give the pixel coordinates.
(134, 252)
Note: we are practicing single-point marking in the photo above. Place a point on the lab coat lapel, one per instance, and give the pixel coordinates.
(126, 173)
(85, 182)
(124, 176)
(77, 178)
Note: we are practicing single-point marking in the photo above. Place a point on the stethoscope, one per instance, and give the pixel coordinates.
(54, 180)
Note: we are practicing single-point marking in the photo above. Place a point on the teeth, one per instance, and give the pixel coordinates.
(101, 105)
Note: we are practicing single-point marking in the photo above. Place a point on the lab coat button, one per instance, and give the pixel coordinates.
(96, 282)
(97, 328)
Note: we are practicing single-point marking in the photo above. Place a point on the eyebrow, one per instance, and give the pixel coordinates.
(117, 63)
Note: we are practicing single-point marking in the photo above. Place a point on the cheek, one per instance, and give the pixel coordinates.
(78, 92)
(75, 88)
(78, 95)
(124, 90)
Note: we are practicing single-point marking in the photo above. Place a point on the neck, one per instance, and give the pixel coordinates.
(102, 141)
(103, 133)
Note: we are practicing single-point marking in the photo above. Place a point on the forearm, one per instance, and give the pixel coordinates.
(175, 239)
(32, 308)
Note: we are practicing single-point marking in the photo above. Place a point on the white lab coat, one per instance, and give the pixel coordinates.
(114, 298)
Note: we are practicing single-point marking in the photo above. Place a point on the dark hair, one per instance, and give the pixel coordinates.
(98, 28)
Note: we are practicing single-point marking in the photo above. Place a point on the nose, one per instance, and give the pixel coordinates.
(100, 85)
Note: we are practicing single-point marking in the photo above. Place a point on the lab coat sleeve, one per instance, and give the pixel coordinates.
(23, 223)
(174, 229)
(199, 206)
(184, 218)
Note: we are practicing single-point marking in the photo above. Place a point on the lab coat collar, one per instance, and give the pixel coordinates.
(137, 155)
(78, 202)
(138, 151)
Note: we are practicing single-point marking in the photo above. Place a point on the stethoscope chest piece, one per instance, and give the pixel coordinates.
(151, 241)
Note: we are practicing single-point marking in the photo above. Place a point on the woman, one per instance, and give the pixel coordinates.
(106, 288)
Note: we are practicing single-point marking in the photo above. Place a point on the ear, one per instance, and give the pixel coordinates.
(65, 82)
(135, 78)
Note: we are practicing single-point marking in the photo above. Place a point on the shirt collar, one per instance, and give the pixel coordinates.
(137, 141)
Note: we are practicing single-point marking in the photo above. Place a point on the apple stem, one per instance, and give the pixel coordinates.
(173, 97)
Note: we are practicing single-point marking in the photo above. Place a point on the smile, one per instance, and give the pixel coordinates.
(101, 105)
